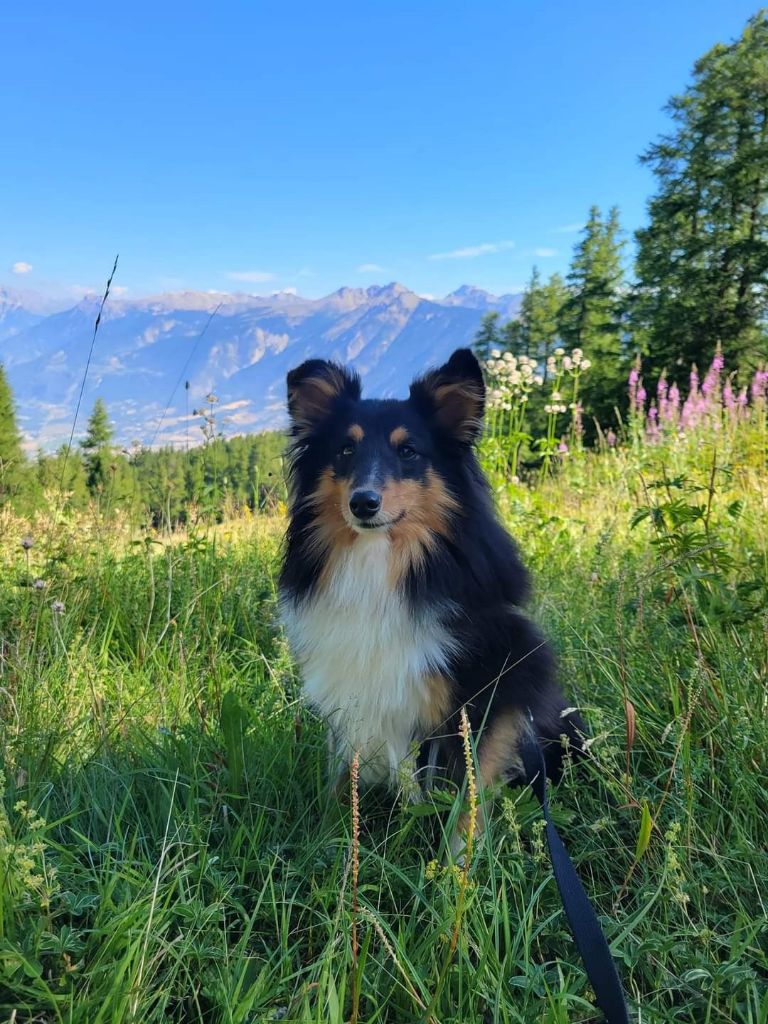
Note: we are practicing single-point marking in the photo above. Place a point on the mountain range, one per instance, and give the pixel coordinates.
(237, 346)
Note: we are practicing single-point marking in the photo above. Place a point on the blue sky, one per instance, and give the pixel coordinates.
(262, 146)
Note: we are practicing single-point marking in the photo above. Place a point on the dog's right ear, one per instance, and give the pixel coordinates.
(313, 390)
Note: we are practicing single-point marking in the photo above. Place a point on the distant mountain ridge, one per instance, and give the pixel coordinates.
(237, 345)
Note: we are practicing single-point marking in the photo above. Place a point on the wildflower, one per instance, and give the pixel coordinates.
(495, 353)
(38, 585)
(562, 448)
(567, 363)
(57, 607)
(585, 364)
(611, 439)
(211, 399)
(556, 396)
(538, 380)
(759, 386)
(577, 354)
(561, 351)
(508, 358)
(27, 543)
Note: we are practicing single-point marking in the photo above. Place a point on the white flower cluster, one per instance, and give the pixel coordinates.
(511, 379)
(573, 364)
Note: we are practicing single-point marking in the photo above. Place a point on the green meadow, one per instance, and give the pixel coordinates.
(169, 848)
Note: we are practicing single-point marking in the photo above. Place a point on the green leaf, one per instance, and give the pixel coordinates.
(644, 835)
(233, 724)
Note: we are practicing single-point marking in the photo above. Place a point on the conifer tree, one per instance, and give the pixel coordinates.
(702, 260)
(487, 337)
(591, 319)
(11, 453)
(536, 331)
(97, 449)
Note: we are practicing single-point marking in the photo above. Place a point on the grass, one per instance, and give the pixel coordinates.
(169, 850)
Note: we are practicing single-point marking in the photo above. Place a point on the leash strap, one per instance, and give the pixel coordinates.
(585, 927)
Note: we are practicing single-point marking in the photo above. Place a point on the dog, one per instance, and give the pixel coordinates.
(401, 593)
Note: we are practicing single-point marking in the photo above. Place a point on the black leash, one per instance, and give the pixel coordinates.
(585, 928)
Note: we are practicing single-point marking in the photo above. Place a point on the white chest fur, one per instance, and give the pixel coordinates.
(365, 659)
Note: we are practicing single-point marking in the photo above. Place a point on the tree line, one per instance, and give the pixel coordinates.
(166, 486)
(700, 276)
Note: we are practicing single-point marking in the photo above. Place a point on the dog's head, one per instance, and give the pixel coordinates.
(373, 466)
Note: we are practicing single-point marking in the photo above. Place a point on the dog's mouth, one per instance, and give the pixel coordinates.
(377, 524)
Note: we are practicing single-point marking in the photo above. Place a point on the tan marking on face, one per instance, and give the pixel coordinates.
(428, 508)
(330, 534)
(398, 435)
(497, 752)
(356, 432)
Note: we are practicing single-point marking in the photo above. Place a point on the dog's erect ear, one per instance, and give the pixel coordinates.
(314, 388)
(454, 395)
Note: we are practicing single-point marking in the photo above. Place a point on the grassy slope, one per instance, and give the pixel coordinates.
(191, 867)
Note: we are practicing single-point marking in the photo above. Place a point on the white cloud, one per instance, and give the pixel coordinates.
(370, 268)
(21, 267)
(568, 229)
(545, 252)
(251, 276)
(471, 252)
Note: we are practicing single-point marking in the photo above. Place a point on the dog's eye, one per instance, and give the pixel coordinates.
(346, 451)
(406, 452)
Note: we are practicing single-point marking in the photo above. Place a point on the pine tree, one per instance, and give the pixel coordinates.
(702, 261)
(591, 319)
(487, 337)
(536, 332)
(11, 454)
(97, 448)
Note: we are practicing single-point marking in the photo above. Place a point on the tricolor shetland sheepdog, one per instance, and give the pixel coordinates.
(401, 592)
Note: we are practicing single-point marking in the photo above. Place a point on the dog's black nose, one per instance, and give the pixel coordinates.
(365, 504)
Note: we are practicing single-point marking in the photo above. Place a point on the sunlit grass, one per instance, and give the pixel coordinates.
(169, 849)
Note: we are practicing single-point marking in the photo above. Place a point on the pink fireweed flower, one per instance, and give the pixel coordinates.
(634, 380)
(673, 401)
(611, 439)
(662, 399)
(759, 385)
(562, 448)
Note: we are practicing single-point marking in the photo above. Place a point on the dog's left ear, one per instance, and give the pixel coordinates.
(454, 395)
